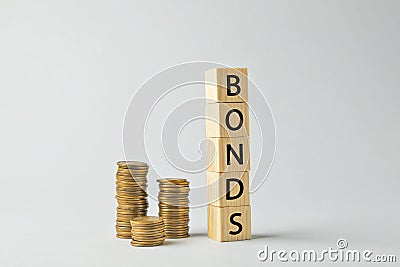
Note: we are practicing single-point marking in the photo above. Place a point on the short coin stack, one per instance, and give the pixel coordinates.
(173, 203)
(131, 195)
(147, 231)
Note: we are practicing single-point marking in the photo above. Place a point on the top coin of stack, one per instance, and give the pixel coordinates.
(173, 206)
(147, 231)
(131, 185)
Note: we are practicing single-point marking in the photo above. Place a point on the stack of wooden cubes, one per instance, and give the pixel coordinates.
(228, 154)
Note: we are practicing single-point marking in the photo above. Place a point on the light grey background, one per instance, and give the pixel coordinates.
(68, 69)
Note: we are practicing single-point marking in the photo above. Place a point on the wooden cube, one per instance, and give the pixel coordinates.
(229, 223)
(227, 120)
(228, 189)
(228, 154)
(227, 85)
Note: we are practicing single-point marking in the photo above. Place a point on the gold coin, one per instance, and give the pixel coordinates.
(131, 190)
(173, 198)
(175, 192)
(123, 231)
(129, 215)
(183, 221)
(148, 239)
(156, 228)
(134, 170)
(138, 205)
(132, 212)
(176, 228)
(127, 210)
(172, 186)
(178, 199)
(149, 231)
(129, 194)
(177, 208)
(176, 223)
(123, 236)
(130, 175)
(174, 195)
(177, 232)
(138, 235)
(132, 163)
(172, 180)
(129, 198)
(123, 223)
(139, 208)
(145, 244)
(147, 235)
(164, 213)
(176, 203)
(172, 214)
(173, 208)
(175, 218)
(127, 218)
(130, 179)
(127, 190)
(132, 203)
(177, 236)
(147, 220)
(167, 194)
(126, 178)
(131, 185)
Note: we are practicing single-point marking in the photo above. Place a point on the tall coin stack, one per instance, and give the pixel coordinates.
(147, 231)
(173, 203)
(131, 185)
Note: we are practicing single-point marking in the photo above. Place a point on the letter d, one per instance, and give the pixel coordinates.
(262, 255)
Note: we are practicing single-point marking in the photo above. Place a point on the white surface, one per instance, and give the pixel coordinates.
(68, 69)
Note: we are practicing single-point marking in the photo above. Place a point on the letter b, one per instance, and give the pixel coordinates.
(235, 84)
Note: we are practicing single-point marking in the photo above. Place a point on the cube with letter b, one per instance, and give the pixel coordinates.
(227, 85)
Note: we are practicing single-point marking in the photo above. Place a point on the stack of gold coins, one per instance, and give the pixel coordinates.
(173, 203)
(131, 195)
(147, 231)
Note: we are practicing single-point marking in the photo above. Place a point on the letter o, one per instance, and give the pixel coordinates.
(228, 124)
